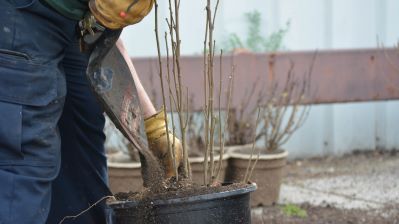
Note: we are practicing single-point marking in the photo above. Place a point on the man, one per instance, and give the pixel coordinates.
(52, 160)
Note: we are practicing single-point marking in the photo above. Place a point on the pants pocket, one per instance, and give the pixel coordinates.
(24, 82)
(10, 132)
(30, 104)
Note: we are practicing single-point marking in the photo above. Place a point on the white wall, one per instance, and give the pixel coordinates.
(339, 128)
(315, 24)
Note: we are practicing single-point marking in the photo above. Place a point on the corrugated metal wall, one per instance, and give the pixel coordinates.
(339, 128)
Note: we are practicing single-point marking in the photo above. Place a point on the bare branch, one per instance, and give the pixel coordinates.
(246, 176)
(170, 149)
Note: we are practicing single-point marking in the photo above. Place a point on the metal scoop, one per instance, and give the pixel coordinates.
(113, 84)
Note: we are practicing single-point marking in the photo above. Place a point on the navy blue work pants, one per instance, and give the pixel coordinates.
(52, 161)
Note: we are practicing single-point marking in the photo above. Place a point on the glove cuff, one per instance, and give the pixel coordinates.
(101, 19)
(155, 126)
(121, 13)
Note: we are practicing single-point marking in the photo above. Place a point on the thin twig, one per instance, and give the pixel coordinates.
(226, 122)
(285, 111)
(207, 106)
(171, 98)
(180, 87)
(170, 149)
(174, 35)
(246, 176)
(86, 210)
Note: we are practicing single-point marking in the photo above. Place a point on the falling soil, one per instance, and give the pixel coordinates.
(151, 171)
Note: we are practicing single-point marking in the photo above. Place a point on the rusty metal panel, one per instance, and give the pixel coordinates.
(338, 76)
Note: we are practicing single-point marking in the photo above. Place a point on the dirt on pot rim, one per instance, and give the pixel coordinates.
(181, 190)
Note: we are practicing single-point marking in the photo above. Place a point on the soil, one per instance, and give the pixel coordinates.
(318, 214)
(173, 189)
(151, 171)
(358, 162)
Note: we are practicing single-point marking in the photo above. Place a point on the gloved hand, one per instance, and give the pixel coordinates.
(116, 14)
(155, 127)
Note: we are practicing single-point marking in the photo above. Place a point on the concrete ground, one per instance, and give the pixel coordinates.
(359, 188)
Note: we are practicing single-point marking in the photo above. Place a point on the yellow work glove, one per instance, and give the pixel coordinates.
(116, 14)
(155, 127)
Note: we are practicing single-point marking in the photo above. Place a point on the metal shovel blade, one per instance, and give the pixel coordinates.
(113, 84)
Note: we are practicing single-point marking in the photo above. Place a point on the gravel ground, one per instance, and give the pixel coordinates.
(359, 188)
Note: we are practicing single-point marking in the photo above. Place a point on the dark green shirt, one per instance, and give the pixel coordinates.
(73, 9)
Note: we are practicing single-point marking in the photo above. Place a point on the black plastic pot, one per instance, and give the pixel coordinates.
(229, 207)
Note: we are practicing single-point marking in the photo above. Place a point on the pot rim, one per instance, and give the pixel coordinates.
(235, 147)
(124, 165)
(188, 199)
(200, 159)
(237, 155)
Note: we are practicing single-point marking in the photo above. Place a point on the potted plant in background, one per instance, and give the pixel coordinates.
(241, 122)
(242, 117)
(281, 113)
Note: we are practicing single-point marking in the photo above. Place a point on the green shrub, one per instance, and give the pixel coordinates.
(293, 210)
(255, 41)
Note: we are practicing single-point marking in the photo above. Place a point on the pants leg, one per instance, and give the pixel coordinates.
(83, 176)
(32, 92)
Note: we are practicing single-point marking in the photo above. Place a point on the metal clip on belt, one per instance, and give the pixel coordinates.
(90, 30)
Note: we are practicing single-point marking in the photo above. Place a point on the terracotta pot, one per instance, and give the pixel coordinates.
(125, 177)
(267, 174)
(197, 168)
(231, 148)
